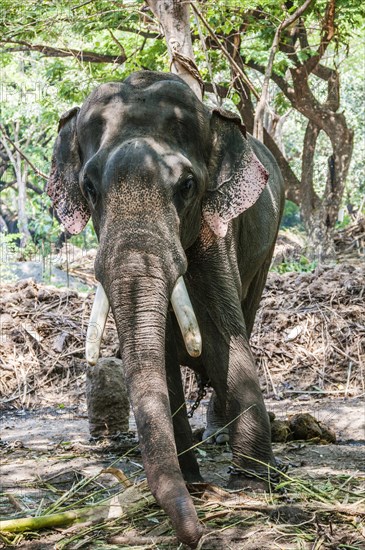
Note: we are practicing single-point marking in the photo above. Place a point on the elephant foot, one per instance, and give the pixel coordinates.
(190, 468)
(218, 436)
(192, 477)
(251, 481)
(247, 484)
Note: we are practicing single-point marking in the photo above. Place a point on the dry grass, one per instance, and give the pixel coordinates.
(42, 343)
(310, 332)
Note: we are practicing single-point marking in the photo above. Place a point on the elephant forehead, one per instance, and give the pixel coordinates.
(158, 110)
(152, 118)
(149, 158)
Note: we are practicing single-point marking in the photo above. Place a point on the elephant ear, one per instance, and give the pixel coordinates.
(63, 183)
(237, 177)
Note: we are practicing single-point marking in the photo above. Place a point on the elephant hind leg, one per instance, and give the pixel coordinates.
(253, 297)
(216, 430)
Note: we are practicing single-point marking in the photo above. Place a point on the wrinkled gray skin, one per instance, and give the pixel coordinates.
(161, 175)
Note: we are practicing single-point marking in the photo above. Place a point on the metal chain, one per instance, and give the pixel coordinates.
(202, 392)
(273, 475)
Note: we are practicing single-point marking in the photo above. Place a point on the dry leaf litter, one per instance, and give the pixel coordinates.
(309, 336)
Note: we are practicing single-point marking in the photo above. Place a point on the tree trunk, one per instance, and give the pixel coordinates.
(22, 201)
(21, 181)
(247, 110)
(320, 215)
(174, 19)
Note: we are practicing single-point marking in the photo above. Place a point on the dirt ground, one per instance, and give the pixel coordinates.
(309, 343)
(47, 452)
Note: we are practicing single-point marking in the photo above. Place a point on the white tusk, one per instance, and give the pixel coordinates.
(186, 318)
(95, 329)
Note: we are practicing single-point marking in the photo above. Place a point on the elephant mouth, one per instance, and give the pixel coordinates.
(181, 305)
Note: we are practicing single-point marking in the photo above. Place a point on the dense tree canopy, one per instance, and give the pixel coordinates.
(291, 69)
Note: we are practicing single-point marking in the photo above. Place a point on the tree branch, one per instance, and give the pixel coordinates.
(143, 34)
(225, 52)
(292, 183)
(328, 32)
(6, 184)
(279, 80)
(327, 74)
(6, 147)
(222, 91)
(258, 130)
(116, 41)
(34, 188)
(49, 51)
(174, 19)
(7, 138)
(246, 109)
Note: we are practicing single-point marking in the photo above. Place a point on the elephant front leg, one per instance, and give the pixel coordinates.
(234, 377)
(182, 430)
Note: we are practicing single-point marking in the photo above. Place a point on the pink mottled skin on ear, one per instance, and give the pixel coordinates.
(74, 216)
(72, 210)
(235, 195)
(75, 222)
(216, 224)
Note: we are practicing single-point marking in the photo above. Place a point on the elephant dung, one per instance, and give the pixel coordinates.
(306, 427)
(280, 431)
(302, 426)
(107, 401)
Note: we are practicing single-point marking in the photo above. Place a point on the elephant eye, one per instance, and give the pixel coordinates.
(89, 189)
(187, 188)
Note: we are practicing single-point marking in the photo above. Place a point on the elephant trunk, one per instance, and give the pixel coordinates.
(140, 305)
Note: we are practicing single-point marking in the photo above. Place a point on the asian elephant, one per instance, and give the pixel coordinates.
(175, 188)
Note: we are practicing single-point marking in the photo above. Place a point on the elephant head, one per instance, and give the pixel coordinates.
(154, 168)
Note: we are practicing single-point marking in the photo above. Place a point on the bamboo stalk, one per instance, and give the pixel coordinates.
(125, 504)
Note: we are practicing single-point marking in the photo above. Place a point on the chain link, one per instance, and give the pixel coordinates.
(202, 392)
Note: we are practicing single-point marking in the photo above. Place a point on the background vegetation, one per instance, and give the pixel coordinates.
(54, 53)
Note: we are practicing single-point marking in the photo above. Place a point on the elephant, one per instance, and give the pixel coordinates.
(184, 202)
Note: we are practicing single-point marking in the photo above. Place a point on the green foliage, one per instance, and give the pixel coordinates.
(291, 216)
(36, 89)
(303, 265)
(8, 245)
(280, 103)
(8, 251)
(345, 222)
(353, 94)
